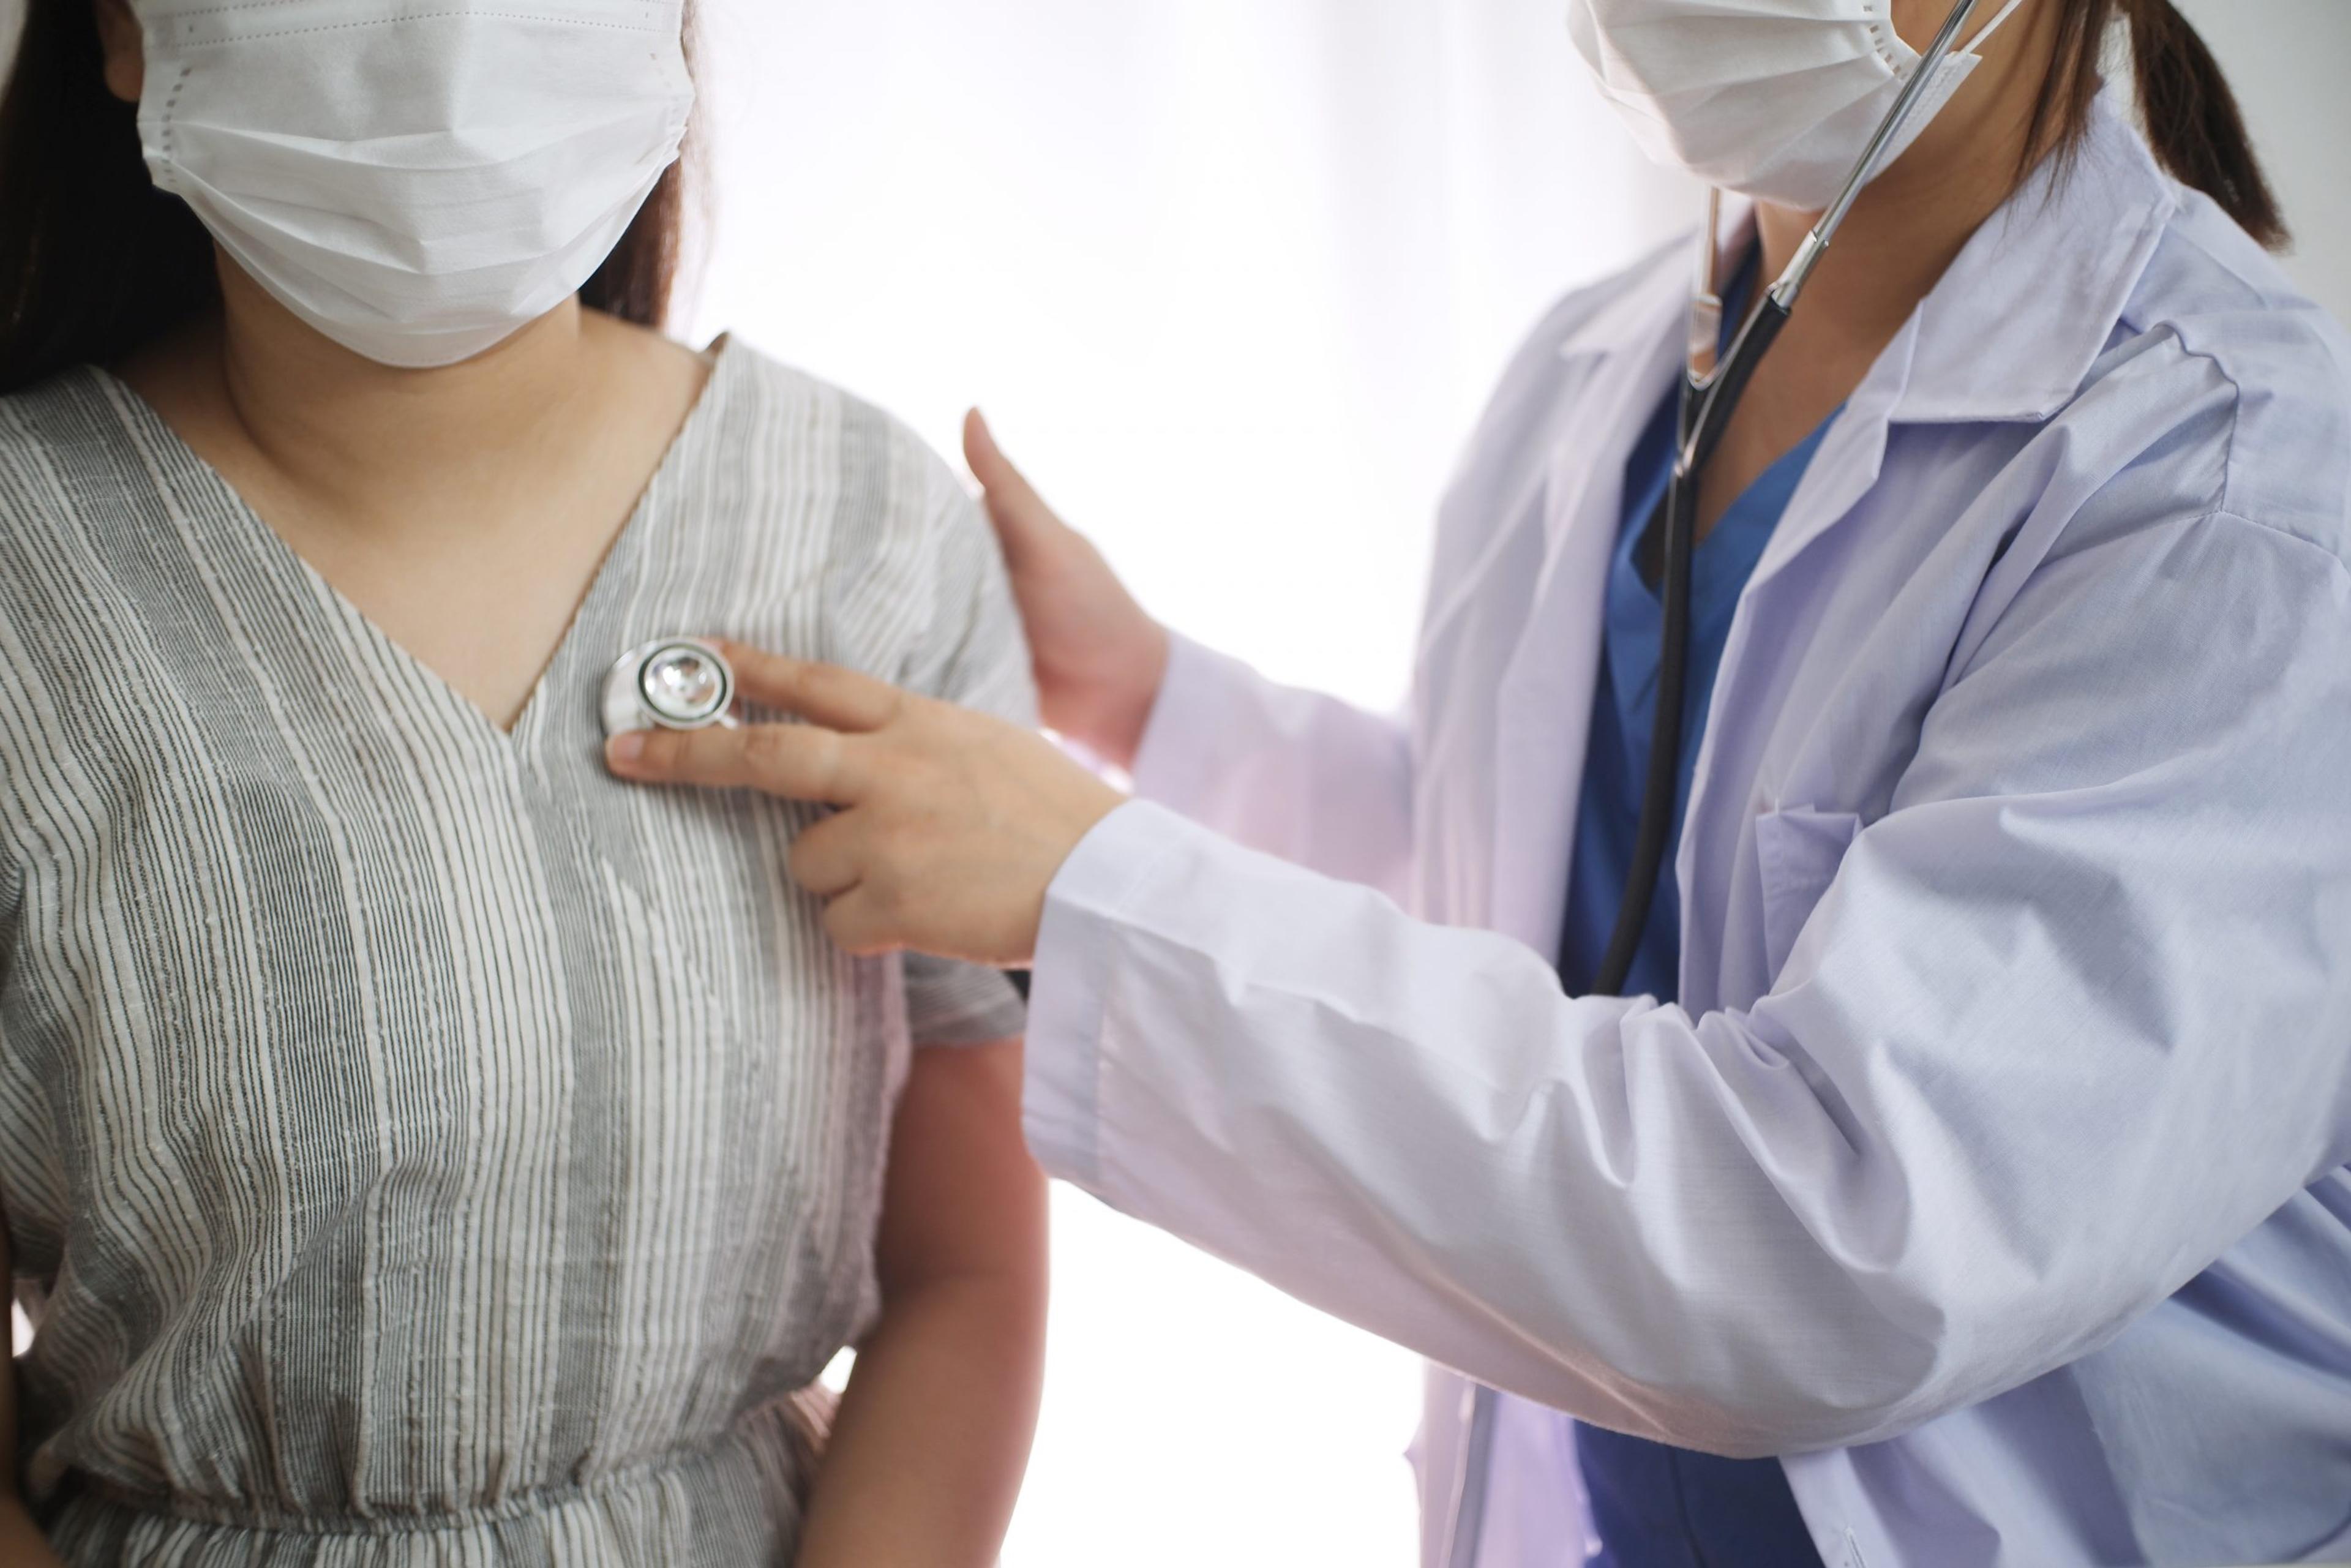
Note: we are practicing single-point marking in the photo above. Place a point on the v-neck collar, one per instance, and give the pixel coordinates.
(272, 549)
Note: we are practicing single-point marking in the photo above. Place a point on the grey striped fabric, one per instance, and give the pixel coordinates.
(419, 1149)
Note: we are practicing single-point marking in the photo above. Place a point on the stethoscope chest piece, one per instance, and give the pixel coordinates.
(677, 683)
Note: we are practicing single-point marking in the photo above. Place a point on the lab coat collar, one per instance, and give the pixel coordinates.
(2011, 331)
(2012, 327)
(1650, 317)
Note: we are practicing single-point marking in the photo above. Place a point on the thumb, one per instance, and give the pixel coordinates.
(1023, 520)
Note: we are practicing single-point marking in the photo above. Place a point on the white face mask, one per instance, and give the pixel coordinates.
(416, 179)
(1776, 99)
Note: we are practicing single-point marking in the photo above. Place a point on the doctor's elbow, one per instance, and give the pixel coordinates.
(1820, 1425)
(1776, 1397)
(1796, 1421)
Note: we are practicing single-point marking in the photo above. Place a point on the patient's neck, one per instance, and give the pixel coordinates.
(465, 510)
(375, 445)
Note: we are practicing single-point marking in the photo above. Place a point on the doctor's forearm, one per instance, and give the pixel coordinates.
(1755, 1232)
(1291, 1057)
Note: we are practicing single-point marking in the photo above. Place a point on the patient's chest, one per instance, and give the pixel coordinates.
(404, 1108)
(379, 1017)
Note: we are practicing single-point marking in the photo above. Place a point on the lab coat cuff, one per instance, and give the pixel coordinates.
(1182, 760)
(1067, 1008)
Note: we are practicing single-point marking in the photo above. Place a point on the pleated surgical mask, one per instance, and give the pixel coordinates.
(1776, 99)
(416, 179)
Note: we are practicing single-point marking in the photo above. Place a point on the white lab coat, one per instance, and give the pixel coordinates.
(2017, 901)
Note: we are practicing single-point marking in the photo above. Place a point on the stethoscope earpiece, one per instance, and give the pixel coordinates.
(678, 683)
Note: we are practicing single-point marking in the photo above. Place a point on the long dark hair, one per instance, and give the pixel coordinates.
(95, 262)
(2192, 119)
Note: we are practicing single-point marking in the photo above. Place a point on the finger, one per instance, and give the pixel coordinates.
(824, 694)
(793, 761)
(824, 859)
(1020, 515)
(858, 926)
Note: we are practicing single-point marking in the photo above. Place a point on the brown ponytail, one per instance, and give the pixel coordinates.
(2191, 117)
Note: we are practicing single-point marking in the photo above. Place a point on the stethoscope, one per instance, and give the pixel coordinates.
(1713, 381)
(678, 683)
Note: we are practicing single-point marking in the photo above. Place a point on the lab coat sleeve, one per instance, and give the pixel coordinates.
(2070, 1021)
(1293, 773)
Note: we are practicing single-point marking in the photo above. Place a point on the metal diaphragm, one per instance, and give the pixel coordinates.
(678, 683)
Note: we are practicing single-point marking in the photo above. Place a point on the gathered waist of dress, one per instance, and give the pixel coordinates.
(734, 1500)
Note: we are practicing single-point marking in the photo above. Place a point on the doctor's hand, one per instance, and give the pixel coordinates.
(952, 826)
(1099, 658)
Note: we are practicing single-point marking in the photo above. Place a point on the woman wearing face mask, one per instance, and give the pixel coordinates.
(417, 1147)
(1942, 1160)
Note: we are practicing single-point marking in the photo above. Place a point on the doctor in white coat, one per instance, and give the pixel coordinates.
(1961, 1181)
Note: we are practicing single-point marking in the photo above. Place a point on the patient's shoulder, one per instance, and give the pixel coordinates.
(53, 416)
(804, 435)
(75, 445)
(879, 527)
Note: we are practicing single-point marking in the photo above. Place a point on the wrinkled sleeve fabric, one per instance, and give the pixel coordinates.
(1293, 773)
(2069, 1022)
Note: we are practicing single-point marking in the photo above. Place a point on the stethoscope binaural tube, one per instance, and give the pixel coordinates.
(1710, 391)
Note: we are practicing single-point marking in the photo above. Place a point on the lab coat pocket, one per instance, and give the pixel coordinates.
(1798, 852)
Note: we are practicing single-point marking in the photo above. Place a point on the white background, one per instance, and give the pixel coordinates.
(1232, 275)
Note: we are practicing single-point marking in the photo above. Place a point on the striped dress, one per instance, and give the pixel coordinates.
(417, 1147)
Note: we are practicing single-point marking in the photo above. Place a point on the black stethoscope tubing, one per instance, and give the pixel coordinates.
(1700, 428)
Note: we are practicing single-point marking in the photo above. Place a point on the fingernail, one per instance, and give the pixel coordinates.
(625, 749)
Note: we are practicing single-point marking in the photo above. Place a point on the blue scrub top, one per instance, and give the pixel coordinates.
(1653, 1506)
